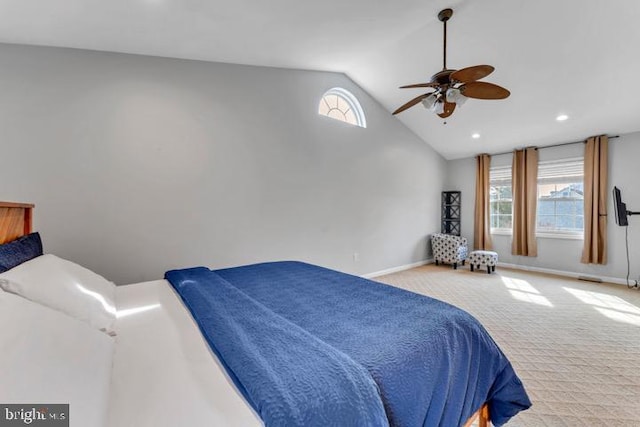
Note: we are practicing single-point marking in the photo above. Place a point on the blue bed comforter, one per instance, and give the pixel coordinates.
(311, 346)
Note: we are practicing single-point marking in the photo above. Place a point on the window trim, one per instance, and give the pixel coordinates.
(351, 100)
(559, 234)
(500, 170)
(569, 235)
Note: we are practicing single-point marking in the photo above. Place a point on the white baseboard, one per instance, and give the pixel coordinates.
(571, 274)
(563, 273)
(397, 269)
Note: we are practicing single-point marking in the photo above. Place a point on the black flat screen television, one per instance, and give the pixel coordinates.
(621, 208)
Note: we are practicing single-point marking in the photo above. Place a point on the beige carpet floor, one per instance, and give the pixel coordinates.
(574, 344)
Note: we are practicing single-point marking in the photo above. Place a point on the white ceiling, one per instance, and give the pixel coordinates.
(578, 57)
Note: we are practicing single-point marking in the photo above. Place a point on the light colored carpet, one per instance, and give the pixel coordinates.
(574, 344)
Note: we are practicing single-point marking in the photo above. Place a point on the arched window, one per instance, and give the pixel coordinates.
(340, 104)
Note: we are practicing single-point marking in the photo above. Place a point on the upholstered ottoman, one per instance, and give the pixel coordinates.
(487, 259)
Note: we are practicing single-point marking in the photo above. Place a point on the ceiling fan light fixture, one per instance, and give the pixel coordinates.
(452, 94)
(429, 101)
(455, 95)
(439, 107)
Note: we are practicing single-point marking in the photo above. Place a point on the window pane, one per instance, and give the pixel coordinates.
(323, 108)
(505, 192)
(546, 221)
(500, 205)
(500, 192)
(343, 105)
(504, 207)
(493, 193)
(505, 221)
(567, 222)
(336, 114)
(561, 204)
(351, 117)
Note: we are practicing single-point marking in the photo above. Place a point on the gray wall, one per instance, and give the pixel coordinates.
(564, 254)
(141, 164)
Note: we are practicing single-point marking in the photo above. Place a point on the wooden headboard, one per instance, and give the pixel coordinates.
(16, 220)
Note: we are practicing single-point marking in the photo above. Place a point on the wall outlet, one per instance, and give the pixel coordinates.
(356, 257)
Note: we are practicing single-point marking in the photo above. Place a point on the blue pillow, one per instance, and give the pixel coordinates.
(19, 251)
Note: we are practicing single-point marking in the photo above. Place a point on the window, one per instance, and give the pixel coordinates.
(560, 209)
(340, 104)
(561, 197)
(500, 199)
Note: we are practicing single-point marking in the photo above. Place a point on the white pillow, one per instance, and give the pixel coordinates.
(49, 357)
(64, 286)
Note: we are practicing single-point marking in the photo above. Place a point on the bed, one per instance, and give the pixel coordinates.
(162, 370)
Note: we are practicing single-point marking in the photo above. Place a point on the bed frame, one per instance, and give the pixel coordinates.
(16, 220)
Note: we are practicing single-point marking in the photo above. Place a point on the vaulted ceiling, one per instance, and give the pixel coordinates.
(573, 57)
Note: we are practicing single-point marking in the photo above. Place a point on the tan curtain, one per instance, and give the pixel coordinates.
(595, 200)
(482, 226)
(525, 199)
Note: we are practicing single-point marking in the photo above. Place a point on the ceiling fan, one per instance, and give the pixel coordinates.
(453, 87)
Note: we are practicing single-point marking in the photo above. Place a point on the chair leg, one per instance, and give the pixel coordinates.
(463, 262)
(455, 265)
(436, 262)
(493, 268)
(488, 269)
(471, 266)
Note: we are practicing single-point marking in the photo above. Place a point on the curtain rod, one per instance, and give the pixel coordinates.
(554, 145)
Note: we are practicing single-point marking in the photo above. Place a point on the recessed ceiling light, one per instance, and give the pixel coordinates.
(475, 136)
(562, 117)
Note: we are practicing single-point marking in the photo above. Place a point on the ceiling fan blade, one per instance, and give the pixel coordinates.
(420, 85)
(484, 90)
(411, 103)
(449, 108)
(471, 74)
